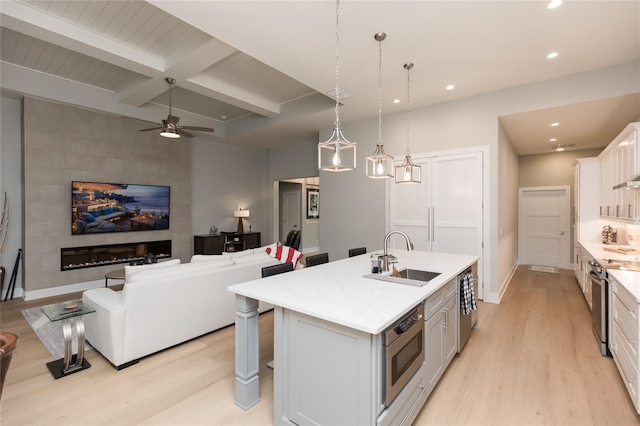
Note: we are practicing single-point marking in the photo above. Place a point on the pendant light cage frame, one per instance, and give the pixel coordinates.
(408, 172)
(337, 154)
(380, 165)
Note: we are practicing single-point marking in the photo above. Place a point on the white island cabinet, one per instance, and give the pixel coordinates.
(328, 352)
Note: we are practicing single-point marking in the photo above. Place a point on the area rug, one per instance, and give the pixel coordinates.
(50, 333)
(549, 269)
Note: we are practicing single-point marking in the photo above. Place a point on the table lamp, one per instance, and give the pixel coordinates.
(240, 214)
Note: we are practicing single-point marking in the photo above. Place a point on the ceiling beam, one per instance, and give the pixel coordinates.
(44, 86)
(24, 18)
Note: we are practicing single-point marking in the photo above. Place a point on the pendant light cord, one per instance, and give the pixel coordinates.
(408, 67)
(380, 91)
(337, 123)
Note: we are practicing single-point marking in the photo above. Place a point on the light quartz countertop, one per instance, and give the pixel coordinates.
(338, 292)
(629, 279)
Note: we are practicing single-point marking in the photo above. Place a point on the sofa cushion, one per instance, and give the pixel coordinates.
(238, 254)
(178, 272)
(285, 254)
(207, 257)
(256, 257)
(129, 270)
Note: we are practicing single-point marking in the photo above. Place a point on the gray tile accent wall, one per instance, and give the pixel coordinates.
(64, 143)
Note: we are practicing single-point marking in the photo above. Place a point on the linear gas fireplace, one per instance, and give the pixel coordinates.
(91, 256)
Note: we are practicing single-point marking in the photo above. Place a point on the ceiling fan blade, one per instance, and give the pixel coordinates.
(198, 129)
(183, 133)
(150, 129)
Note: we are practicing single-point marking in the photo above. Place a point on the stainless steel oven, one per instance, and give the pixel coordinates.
(600, 305)
(404, 351)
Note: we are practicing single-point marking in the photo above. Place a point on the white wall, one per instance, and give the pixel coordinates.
(224, 178)
(11, 183)
(506, 260)
(352, 206)
(286, 163)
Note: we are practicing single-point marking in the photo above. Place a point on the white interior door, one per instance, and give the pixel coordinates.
(543, 217)
(291, 213)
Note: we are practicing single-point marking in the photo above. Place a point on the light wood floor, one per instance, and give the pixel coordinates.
(533, 361)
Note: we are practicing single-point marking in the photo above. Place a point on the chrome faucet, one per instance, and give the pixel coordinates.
(383, 260)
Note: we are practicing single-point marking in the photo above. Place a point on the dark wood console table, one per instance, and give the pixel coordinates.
(216, 244)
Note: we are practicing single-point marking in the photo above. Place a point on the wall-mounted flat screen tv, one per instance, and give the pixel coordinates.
(115, 207)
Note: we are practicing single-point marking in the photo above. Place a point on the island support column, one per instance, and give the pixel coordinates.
(247, 392)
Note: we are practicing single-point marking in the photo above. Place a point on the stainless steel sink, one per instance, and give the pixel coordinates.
(416, 274)
(408, 276)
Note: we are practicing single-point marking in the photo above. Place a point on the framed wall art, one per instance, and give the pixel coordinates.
(313, 203)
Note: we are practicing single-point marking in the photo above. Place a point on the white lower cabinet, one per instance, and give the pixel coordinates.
(582, 273)
(440, 333)
(625, 327)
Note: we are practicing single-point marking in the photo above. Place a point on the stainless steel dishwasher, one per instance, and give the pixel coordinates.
(467, 322)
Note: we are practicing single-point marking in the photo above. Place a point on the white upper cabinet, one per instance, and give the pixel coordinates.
(620, 176)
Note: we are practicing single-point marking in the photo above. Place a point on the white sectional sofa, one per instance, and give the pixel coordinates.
(168, 303)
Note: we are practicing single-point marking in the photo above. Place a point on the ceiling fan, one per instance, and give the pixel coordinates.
(171, 126)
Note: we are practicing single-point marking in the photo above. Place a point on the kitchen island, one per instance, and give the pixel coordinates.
(328, 328)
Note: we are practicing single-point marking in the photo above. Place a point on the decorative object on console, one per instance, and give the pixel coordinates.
(240, 214)
(408, 172)
(379, 164)
(171, 126)
(337, 154)
(213, 230)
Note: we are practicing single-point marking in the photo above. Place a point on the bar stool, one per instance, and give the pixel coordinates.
(357, 251)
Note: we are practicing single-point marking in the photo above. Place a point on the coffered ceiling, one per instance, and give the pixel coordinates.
(258, 72)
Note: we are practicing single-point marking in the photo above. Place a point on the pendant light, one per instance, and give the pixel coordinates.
(337, 154)
(408, 172)
(379, 164)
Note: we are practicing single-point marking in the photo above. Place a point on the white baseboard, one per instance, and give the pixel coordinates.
(497, 297)
(57, 291)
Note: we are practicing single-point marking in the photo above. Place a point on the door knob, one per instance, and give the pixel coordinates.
(560, 232)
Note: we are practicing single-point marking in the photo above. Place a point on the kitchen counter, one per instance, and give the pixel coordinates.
(333, 296)
(338, 292)
(629, 279)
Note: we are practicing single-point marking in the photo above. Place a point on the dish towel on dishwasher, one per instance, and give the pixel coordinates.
(467, 297)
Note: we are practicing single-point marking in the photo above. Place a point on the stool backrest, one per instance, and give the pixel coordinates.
(317, 259)
(357, 251)
(267, 271)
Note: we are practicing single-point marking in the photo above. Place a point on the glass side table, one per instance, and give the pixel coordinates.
(65, 312)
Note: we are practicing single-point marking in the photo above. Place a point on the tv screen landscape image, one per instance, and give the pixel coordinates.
(115, 207)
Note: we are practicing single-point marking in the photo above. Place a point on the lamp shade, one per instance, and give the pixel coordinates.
(241, 213)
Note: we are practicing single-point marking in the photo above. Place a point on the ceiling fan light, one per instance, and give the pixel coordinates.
(170, 133)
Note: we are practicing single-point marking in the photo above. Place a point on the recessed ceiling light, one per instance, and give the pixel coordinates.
(552, 55)
(224, 117)
(555, 124)
(560, 148)
(396, 101)
(553, 140)
(553, 4)
(450, 87)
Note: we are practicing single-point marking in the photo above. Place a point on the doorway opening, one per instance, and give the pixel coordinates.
(291, 208)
